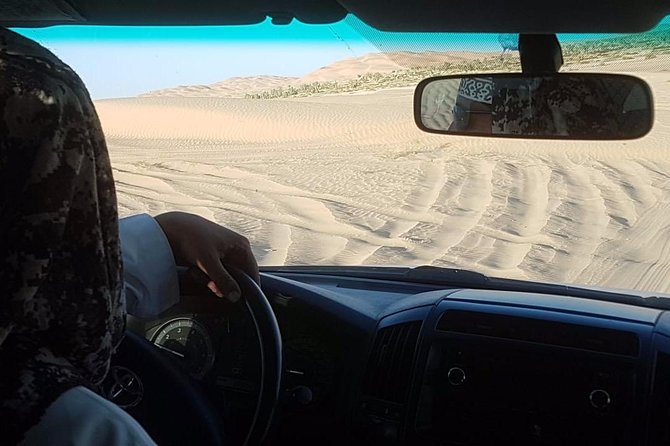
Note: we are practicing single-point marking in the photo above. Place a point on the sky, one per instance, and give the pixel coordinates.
(126, 61)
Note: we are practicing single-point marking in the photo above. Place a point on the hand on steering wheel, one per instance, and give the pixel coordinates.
(199, 243)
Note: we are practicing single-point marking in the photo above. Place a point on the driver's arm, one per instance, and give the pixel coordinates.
(149, 269)
(152, 247)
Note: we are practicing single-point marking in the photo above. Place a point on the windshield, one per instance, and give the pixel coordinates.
(302, 138)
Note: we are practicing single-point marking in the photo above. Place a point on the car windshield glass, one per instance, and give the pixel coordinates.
(302, 138)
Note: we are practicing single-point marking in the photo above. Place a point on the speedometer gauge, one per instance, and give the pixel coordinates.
(189, 342)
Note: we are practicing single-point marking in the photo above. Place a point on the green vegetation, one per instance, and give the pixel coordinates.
(596, 52)
(398, 78)
(647, 45)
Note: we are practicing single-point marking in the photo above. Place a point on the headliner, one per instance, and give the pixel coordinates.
(498, 16)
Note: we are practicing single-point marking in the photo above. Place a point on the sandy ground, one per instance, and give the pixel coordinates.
(437, 102)
(348, 179)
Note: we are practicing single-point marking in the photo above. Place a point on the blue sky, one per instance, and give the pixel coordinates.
(126, 61)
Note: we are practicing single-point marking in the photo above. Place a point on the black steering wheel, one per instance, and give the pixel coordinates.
(174, 408)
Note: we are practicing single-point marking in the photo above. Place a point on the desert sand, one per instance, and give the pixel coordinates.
(349, 179)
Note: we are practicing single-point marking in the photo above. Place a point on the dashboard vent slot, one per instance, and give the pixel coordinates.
(603, 340)
(389, 370)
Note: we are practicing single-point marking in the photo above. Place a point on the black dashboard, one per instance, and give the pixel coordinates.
(377, 361)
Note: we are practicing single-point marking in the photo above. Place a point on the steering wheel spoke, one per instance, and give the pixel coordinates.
(175, 408)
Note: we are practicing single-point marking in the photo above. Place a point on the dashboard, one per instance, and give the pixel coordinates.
(374, 361)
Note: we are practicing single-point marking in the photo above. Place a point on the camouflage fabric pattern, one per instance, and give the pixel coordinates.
(582, 107)
(545, 106)
(478, 89)
(513, 111)
(62, 308)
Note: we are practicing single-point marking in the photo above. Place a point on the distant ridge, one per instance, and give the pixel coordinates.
(234, 87)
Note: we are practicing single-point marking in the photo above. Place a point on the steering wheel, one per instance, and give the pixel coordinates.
(174, 408)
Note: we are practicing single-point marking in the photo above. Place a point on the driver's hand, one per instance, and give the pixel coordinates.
(198, 242)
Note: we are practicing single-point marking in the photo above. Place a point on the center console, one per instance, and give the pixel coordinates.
(516, 369)
(495, 378)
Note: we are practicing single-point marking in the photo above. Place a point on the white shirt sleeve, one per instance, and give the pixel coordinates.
(150, 272)
(79, 417)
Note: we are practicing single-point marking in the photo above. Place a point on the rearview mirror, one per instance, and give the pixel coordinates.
(557, 106)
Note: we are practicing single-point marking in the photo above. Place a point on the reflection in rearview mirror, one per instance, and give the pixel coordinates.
(559, 106)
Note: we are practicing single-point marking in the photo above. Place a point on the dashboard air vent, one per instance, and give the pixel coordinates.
(389, 370)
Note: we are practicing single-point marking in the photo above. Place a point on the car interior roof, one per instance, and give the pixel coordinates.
(517, 16)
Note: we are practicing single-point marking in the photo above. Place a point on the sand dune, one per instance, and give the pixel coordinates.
(349, 180)
(234, 87)
(238, 87)
(388, 62)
